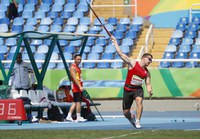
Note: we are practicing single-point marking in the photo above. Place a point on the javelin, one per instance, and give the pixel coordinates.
(98, 18)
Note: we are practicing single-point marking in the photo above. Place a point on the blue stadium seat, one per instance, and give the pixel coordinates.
(36, 42)
(82, 7)
(90, 42)
(68, 56)
(5, 2)
(104, 33)
(196, 20)
(110, 49)
(127, 41)
(52, 65)
(85, 21)
(76, 43)
(19, 1)
(113, 21)
(135, 28)
(184, 48)
(89, 65)
(181, 27)
(109, 27)
(44, 7)
(43, 28)
(29, 7)
(82, 29)
(28, 28)
(116, 65)
(31, 21)
(179, 64)
(97, 49)
(58, 21)
(121, 27)
(11, 42)
(69, 28)
(18, 21)
(39, 14)
(56, 7)
(103, 65)
(13, 49)
(108, 56)
(197, 41)
(166, 64)
(193, 27)
(55, 28)
(75, 2)
(27, 14)
(69, 7)
(95, 28)
(61, 2)
(184, 20)
(87, 49)
(70, 49)
(20, 8)
(17, 28)
(78, 14)
(1, 41)
(97, 23)
(93, 56)
(175, 41)
(131, 34)
(118, 34)
(33, 49)
(125, 21)
(47, 1)
(25, 56)
(196, 48)
(137, 21)
(65, 15)
(46, 21)
(171, 48)
(193, 55)
(187, 41)
(63, 43)
(42, 49)
(125, 49)
(177, 34)
(101, 41)
(4, 49)
(52, 14)
(73, 21)
(1, 56)
(34, 2)
(3, 8)
(5, 20)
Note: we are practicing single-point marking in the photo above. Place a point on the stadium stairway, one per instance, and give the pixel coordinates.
(161, 40)
(107, 12)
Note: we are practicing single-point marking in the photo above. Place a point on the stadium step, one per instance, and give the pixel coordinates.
(161, 40)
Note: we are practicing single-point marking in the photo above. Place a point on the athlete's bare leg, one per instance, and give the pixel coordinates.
(139, 107)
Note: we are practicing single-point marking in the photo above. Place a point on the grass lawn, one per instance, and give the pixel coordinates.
(99, 134)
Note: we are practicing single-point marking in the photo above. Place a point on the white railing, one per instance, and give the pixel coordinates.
(140, 53)
(149, 38)
(110, 61)
(113, 7)
(192, 11)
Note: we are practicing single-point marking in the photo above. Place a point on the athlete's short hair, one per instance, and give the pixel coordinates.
(77, 55)
(146, 55)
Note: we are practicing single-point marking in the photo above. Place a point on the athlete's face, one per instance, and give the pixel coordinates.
(147, 60)
(19, 58)
(78, 60)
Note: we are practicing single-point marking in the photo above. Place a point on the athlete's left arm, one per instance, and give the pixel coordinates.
(148, 84)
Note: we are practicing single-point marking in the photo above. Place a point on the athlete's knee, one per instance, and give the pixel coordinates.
(125, 112)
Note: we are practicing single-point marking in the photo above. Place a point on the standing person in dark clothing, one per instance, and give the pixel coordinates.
(137, 74)
(13, 9)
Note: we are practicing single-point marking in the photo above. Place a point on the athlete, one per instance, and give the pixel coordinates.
(77, 89)
(137, 74)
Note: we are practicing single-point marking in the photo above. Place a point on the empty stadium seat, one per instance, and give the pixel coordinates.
(125, 21)
(113, 21)
(103, 65)
(196, 20)
(184, 48)
(177, 34)
(73, 21)
(137, 21)
(181, 27)
(121, 27)
(116, 65)
(97, 49)
(184, 20)
(97, 23)
(85, 21)
(175, 41)
(171, 48)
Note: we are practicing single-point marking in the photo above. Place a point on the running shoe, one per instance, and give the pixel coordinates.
(69, 119)
(80, 119)
(137, 124)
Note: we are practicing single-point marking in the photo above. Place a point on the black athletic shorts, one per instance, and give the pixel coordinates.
(129, 96)
(78, 96)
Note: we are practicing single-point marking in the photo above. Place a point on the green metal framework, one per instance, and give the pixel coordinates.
(55, 37)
